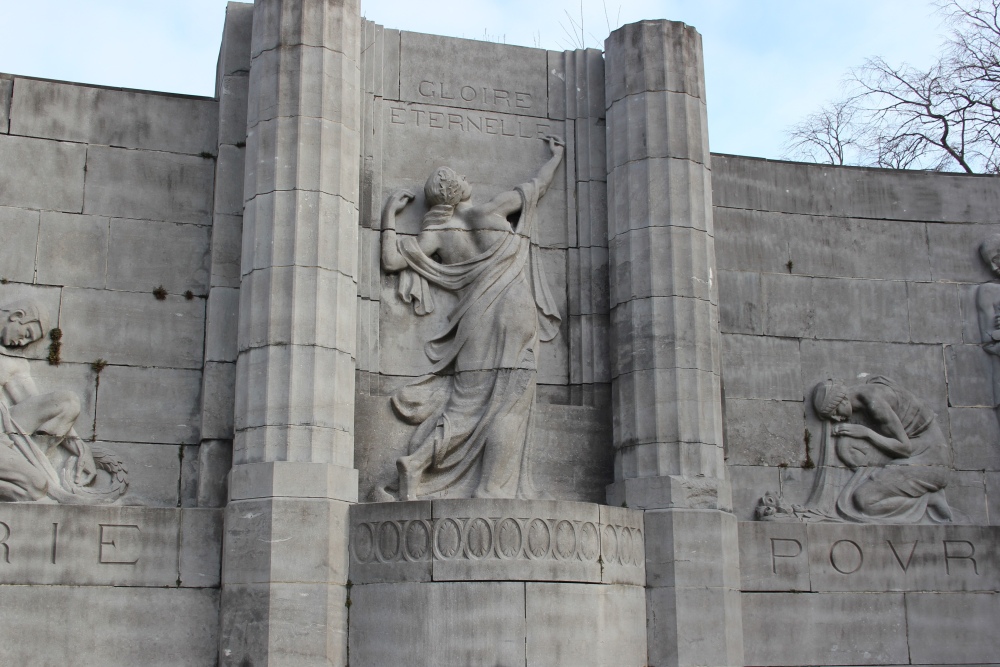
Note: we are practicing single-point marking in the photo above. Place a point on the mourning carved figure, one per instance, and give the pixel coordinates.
(473, 414)
(41, 456)
(988, 307)
(899, 458)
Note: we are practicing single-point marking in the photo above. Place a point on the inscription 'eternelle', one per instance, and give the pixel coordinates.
(470, 122)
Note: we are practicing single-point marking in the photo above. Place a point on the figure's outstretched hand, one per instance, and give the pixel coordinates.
(400, 199)
(554, 142)
(851, 430)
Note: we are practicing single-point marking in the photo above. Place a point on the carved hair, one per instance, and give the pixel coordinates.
(444, 190)
(989, 249)
(32, 312)
(827, 397)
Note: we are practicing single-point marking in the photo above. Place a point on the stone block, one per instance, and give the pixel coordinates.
(934, 309)
(576, 625)
(6, 91)
(657, 124)
(654, 56)
(110, 626)
(993, 497)
(764, 433)
(749, 483)
(761, 367)
(170, 411)
(222, 326)
(459, 624)
(741, 304)
(145, 120)
(691, 549)
(132, 328)
(664, 333)
(154, 473)
(42, 174)
(149, 185)
(774, 556)
(285, 540)
(217, 401)
(686, 459)
(659, 192)
(227, 249)
(662, 262)
(571, 456)
(869, 310)
(391, 542)
(200, 548)
(336, 27)
(189, 476)
(450, 72)
(966, 492)
(975, 438)
(953, 627)
(233, 104)
(824, 628)
(229, 180)
(234, 53)
(283, 624)
(73, 250)
(215, 460)
(694, 627)
(668, 492)
(918, 368)
(89, 546)
(969, 376)
(143, 255)
(19, 229)
(623, 546)
(292, 479)
(954, 251)
(748, 240)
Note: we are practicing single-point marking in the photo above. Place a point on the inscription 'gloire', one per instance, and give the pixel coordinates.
(508, 99)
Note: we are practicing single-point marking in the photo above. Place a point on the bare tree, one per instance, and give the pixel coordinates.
(944, 118)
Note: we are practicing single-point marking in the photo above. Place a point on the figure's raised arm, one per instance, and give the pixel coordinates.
(509, 202)
(391, 259)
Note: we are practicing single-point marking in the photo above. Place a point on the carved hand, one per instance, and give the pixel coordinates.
(400, 199)
(554, 142)
(85, 468)
(851, 430)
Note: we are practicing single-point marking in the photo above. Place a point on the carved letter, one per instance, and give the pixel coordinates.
(55, 541)
(833, 560)
(503, 129)
(472, 124)
(3, 542)
(491, 125)
(445, 97)
(522, 97)
(544, 129)
(501, 95)
(436, 117)
(465, 96)
(948, 556)
(397, 116)
(775, 555)
(908, 558)
(520, 131)
(456, 119)
(111, 543)
(420, 88)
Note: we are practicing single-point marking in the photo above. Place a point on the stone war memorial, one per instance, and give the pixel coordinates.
(406, 350)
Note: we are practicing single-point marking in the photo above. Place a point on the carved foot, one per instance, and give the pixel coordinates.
(409, 478)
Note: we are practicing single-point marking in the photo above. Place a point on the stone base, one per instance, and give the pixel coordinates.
(496, 582)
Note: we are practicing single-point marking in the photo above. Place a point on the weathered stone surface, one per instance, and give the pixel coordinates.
(654, 56)
(573, 625)
(149, 185)
(229, 181)
(114, 117)
(969, 379)
(227, 250)
(975, 438)
(215, 460)
(73, 250)
(571, 456)
(293, 479)
(966, 495)
(144, 255)
(42, 174)
(993, 497)
(952, 627)
(200, 548)
(234, 53)
(741, 304)
(658, 123)
(953, 249)
(691, 548)
(694, 626)
(791, 187)
(751, 240)
(6, 90)
(153, 472)
(188, 491)
(223, 320)
(19, 229)
(761, 367)
(77, 378)
(473, 75)
(233, 102)
(217, 401)
(132, 328)
(749, 484)
(934, 309)
(764, 433)
(774, 556)
(156, 627)
(472, 624)
(824, 628)
(170, 411)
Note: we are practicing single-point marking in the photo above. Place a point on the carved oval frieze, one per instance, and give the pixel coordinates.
(590, 543)
(609, 545)
(418, 540)
(478, 538)
(363, 543)
(388, 541)
(565, 543)
(539, 539)
(508, 539)
(448, 539)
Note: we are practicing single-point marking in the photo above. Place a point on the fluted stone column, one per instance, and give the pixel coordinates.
(666, 345)
(285, 560)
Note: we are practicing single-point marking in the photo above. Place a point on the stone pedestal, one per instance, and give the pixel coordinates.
(285, 562)
(665, 343)
(468, 583)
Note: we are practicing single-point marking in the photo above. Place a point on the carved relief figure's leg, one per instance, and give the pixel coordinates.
(52, 414)
(19, 480)
(895, 489)
(505, 444)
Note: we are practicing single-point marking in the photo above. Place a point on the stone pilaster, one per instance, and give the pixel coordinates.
(666, 361)
(285, 561)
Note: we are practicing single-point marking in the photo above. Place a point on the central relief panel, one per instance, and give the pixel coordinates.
(468, 218)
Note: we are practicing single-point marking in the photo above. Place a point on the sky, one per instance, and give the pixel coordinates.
(768, 63)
